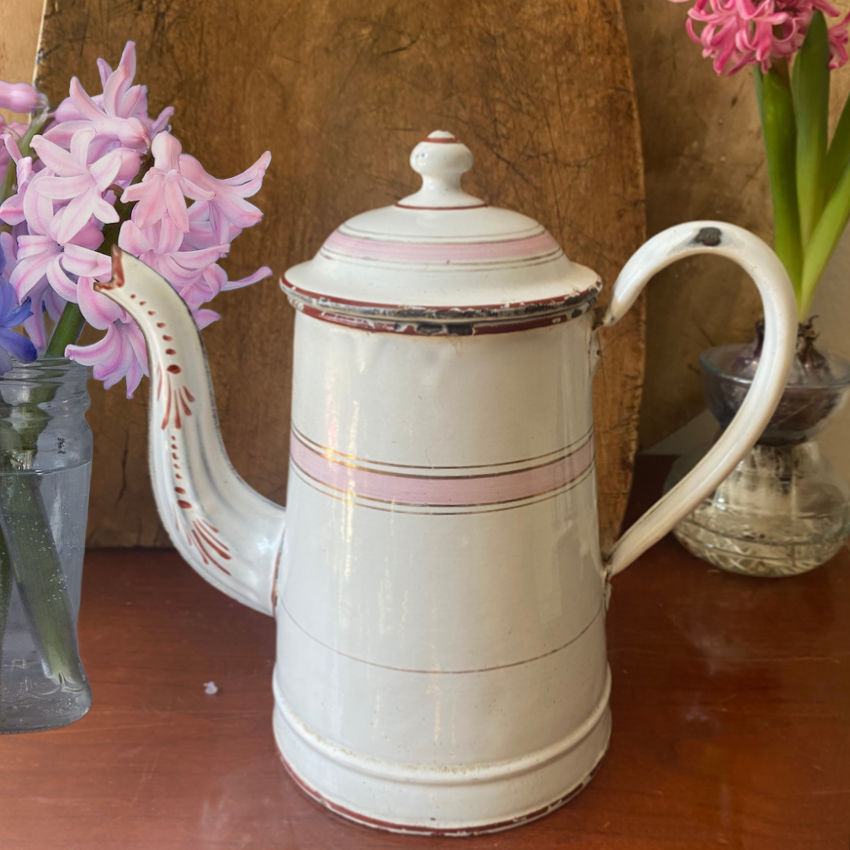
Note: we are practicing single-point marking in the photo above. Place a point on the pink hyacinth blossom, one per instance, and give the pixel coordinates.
(119, 354)
(41, 258)
(69, 176)
(161, 195)
(12, 209)
(98, 310)
(20, 97)
(129, 100)
(178, 267)
(175, 216)
(739, 33)
(118, 115)
(229, 213)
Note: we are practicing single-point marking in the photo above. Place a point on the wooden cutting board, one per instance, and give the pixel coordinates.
(339, 92)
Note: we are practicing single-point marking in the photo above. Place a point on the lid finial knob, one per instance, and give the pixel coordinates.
(441, 160)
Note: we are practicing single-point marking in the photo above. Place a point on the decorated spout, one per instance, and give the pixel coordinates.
(227, 532)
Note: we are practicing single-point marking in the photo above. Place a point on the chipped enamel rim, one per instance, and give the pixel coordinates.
(441, 320)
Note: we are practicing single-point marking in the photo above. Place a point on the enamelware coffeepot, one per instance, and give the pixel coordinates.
(436, 577)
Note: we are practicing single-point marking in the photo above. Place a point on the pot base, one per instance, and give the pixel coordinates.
(408, 799)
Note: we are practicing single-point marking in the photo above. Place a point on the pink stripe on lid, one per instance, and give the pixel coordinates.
(441, 252)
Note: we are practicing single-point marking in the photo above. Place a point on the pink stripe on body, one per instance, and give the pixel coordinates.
(441, 490)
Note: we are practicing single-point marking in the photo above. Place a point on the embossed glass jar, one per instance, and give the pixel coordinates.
(45, 466)
(784, 509)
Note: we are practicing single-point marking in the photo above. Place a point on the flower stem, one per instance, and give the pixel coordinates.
(67, 331)
(38, 575)
(5, 603)
(27, 546)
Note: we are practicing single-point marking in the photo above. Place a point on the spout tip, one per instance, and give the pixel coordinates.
(117, 272)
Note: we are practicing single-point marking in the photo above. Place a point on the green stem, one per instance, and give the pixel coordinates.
(38, 575)
(5, 601)
(67, 331)
(27, 544)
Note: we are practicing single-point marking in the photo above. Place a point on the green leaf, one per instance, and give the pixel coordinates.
(824, 239)
(778, 125)
(839, 149)
(810, 92)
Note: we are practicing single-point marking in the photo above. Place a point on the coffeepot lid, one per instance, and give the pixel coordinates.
(441, 255)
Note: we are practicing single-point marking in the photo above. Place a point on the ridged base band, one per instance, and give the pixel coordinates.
(454, 802)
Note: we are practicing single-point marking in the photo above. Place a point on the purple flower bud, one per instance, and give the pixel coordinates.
(19, 97)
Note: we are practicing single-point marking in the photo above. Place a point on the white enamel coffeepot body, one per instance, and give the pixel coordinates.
(436, 577)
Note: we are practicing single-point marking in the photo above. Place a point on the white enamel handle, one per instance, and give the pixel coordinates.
(780, 333)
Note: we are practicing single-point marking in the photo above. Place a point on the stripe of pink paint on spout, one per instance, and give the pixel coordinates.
(443, 491)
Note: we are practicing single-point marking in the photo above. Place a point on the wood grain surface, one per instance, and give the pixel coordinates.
(731, 706)
(340, 92)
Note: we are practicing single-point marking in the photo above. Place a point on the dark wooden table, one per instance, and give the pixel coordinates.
(731, 723)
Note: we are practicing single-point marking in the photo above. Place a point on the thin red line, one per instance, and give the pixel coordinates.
(167, 415)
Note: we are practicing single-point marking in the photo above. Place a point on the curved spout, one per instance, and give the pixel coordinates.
(226, 531)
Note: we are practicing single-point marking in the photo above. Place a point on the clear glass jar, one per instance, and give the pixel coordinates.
(45, 469)
(784, 509)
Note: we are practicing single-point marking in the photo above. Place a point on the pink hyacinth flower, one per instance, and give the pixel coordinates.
(161, 196)
(69, 176)
(40, 258)
(179, 267)
(739, 33)
(119, 115)
(229, 213)
(119, 354)
(20, 97)
(98, 310)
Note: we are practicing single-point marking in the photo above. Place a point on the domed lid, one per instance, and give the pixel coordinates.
(440, 255)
